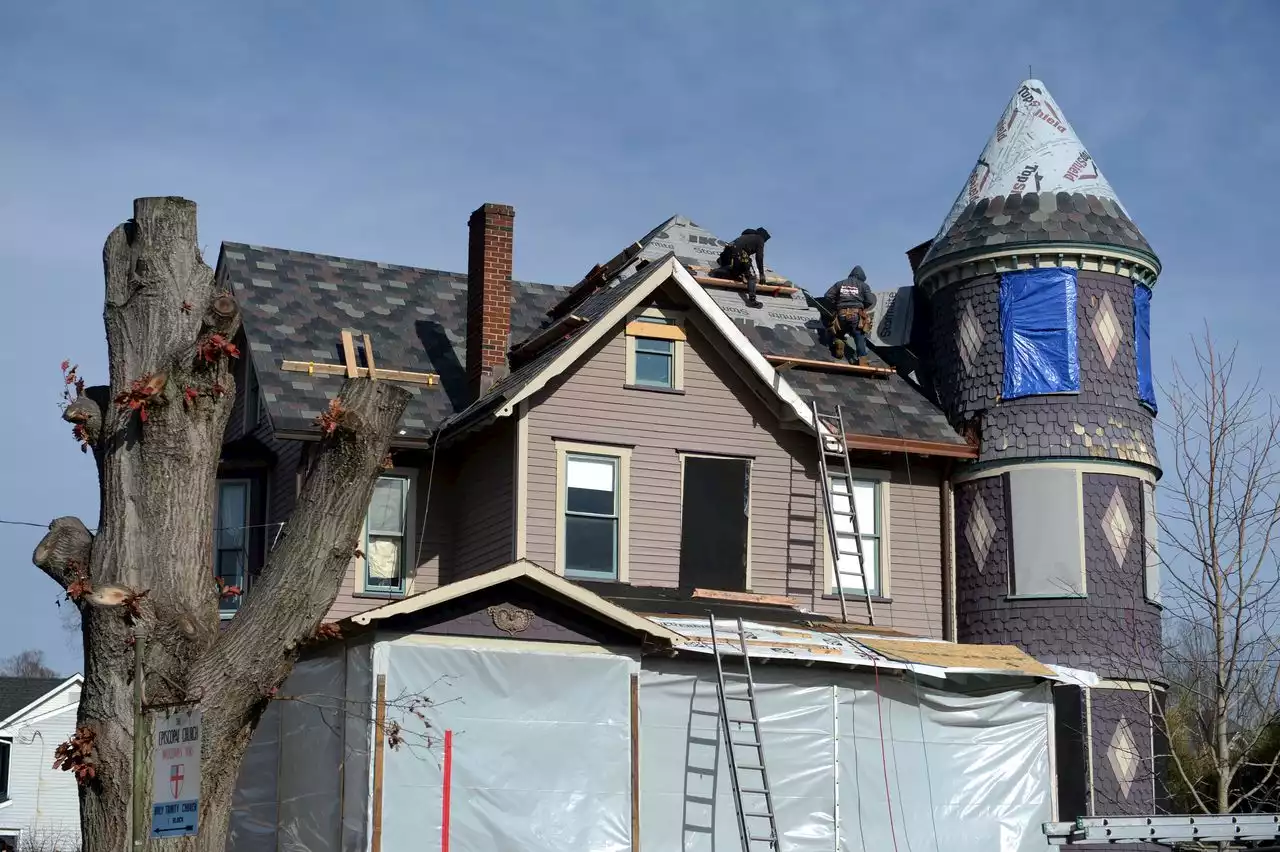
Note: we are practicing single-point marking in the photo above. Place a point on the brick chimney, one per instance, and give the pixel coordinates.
(488, 295)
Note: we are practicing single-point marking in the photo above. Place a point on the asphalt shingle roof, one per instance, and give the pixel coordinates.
(296, 304)
(18, 692)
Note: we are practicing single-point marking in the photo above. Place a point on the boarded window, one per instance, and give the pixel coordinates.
(1038, 326)
(1142, 344)
(1150, 543)
(385, 546)
(715, 509)
(1048, 540)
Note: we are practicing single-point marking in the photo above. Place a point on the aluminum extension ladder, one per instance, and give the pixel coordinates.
(1165, 829)
(746, 818)
(831, 443)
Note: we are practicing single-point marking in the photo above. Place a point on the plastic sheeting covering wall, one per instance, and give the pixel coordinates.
(310, 743)
(541, 758)
(1038, 325)
(1142, 344)
(960, 773)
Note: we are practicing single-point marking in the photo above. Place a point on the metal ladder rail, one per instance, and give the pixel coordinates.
(842, 449)
(740, 808)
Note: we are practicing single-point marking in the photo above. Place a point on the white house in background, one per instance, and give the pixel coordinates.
(39, 805)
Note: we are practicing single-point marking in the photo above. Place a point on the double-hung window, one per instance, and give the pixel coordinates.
(655, 355)
(385, 550)
(655, 362)
(866, 500)
(231, 540)
(592, 502)
(869, 499)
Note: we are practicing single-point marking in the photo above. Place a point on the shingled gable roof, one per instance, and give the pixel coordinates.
(604, 310)
(295, 305)
(791, 324)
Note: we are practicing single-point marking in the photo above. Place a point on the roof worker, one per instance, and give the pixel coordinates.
(735, 261)
(851, 301)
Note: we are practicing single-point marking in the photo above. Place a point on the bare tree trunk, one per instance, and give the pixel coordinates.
(148, 571)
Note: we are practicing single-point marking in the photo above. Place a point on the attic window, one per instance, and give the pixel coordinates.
(655, 343)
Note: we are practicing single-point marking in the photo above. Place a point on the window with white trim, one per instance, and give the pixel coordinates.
(231, 541)
(6, 746)
(591, 503)
(386, 537)
(655, 350)
(868, 499)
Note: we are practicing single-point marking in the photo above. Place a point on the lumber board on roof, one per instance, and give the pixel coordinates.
(349, 353)
(368, 358)
(730, 284)
(528, 350)
(313, 367)
(746, 597)
(1004, 658)
(834, 366)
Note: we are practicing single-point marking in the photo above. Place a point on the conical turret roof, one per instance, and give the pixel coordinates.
(1035, 183)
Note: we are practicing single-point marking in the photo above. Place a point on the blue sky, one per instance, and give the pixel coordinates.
(372, 130)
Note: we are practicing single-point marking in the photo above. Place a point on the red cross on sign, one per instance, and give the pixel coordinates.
(175, 778)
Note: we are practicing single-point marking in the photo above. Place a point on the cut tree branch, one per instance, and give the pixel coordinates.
(223, 314)
(306, 569)
(65, 550)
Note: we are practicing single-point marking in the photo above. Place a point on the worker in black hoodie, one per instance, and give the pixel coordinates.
(735, 261)
(851, 301)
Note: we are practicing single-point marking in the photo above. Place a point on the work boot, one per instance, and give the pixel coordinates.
(837, 348)
(755, 303)
(863, 362)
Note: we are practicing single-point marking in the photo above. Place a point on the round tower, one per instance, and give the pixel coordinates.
(1039, 285)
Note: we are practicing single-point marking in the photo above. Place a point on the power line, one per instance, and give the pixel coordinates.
(45, 526)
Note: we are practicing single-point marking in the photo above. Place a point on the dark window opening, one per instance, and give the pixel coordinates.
(715, 511)
(1070, 737)
(231, 541)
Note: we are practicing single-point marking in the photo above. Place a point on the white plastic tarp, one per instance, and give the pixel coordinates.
(541, 751)
(961, 773)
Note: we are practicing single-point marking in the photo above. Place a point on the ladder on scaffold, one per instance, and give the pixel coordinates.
(761, 812)
(843, 530)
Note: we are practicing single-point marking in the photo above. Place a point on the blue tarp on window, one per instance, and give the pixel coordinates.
(1038, 322)
(1142, 344)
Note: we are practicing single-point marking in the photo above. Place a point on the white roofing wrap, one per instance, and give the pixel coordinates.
(1032, 149)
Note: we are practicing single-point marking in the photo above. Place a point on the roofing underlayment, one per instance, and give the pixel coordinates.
(1035, 182)
(797, 643)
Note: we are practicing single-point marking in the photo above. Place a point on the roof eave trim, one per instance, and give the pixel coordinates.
(521, 570)
(74, 680)
(1033, 255)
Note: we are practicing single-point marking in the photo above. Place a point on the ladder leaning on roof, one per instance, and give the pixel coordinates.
(746, 818)
(838, 502)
